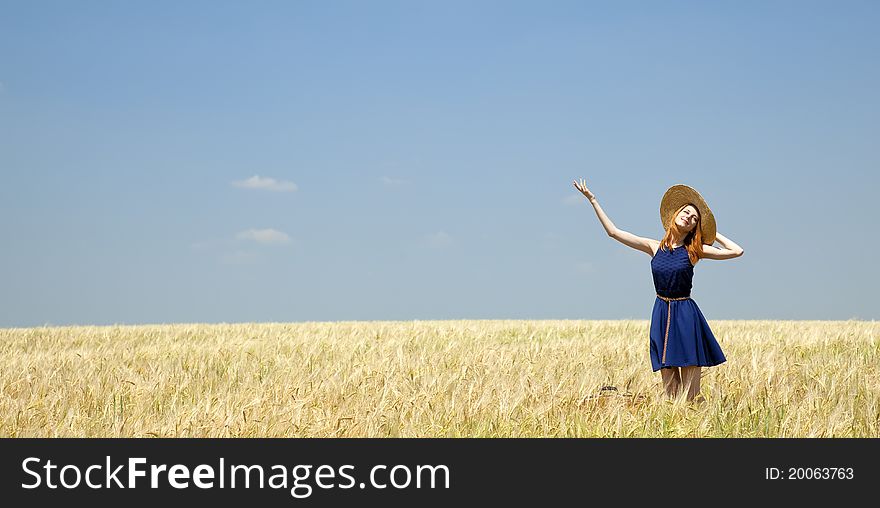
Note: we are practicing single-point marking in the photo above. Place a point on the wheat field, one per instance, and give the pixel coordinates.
(499, 378)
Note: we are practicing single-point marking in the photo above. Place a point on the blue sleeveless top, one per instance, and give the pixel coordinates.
(673, 272)
(679, 335)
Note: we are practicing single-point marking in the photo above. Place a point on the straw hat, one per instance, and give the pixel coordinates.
(679, 195)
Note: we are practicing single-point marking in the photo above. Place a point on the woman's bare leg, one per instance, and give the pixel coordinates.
(690, 378)
(671, 381)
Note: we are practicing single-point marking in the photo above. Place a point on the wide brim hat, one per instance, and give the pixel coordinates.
(679, 195)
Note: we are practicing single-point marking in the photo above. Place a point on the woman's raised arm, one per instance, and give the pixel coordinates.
(729, 249)
(646, 245)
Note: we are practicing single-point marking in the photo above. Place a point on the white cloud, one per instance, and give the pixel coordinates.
(264, 236)
(438, 239)
(387, 180)
(574, 199)
(266, 183)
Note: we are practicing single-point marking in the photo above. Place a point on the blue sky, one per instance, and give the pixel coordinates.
(322, 161)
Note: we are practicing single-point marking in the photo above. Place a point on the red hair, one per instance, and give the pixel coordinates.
(693, 242)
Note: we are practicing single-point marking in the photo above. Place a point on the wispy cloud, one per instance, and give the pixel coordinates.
(387, 180)
(264, 236)
(438, 239)
(266, 183)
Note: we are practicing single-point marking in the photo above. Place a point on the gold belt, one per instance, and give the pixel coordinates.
(668, 320)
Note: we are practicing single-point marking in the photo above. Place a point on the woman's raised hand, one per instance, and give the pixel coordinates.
(582, 187)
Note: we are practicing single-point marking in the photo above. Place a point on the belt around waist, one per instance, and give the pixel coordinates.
(669, 299)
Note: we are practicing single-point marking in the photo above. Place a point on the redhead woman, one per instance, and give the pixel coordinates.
(681, 343)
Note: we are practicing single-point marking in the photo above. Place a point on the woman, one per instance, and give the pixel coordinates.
(683, 341)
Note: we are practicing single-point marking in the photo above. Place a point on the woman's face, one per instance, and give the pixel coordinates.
(687, 218)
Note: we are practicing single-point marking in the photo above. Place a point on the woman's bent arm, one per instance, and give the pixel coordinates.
(729, 249)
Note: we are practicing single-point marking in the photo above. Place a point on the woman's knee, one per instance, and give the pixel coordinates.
(671, 380)
(691, 374)
(670, 374)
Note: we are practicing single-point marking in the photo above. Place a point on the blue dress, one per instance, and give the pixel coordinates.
(685, 339)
